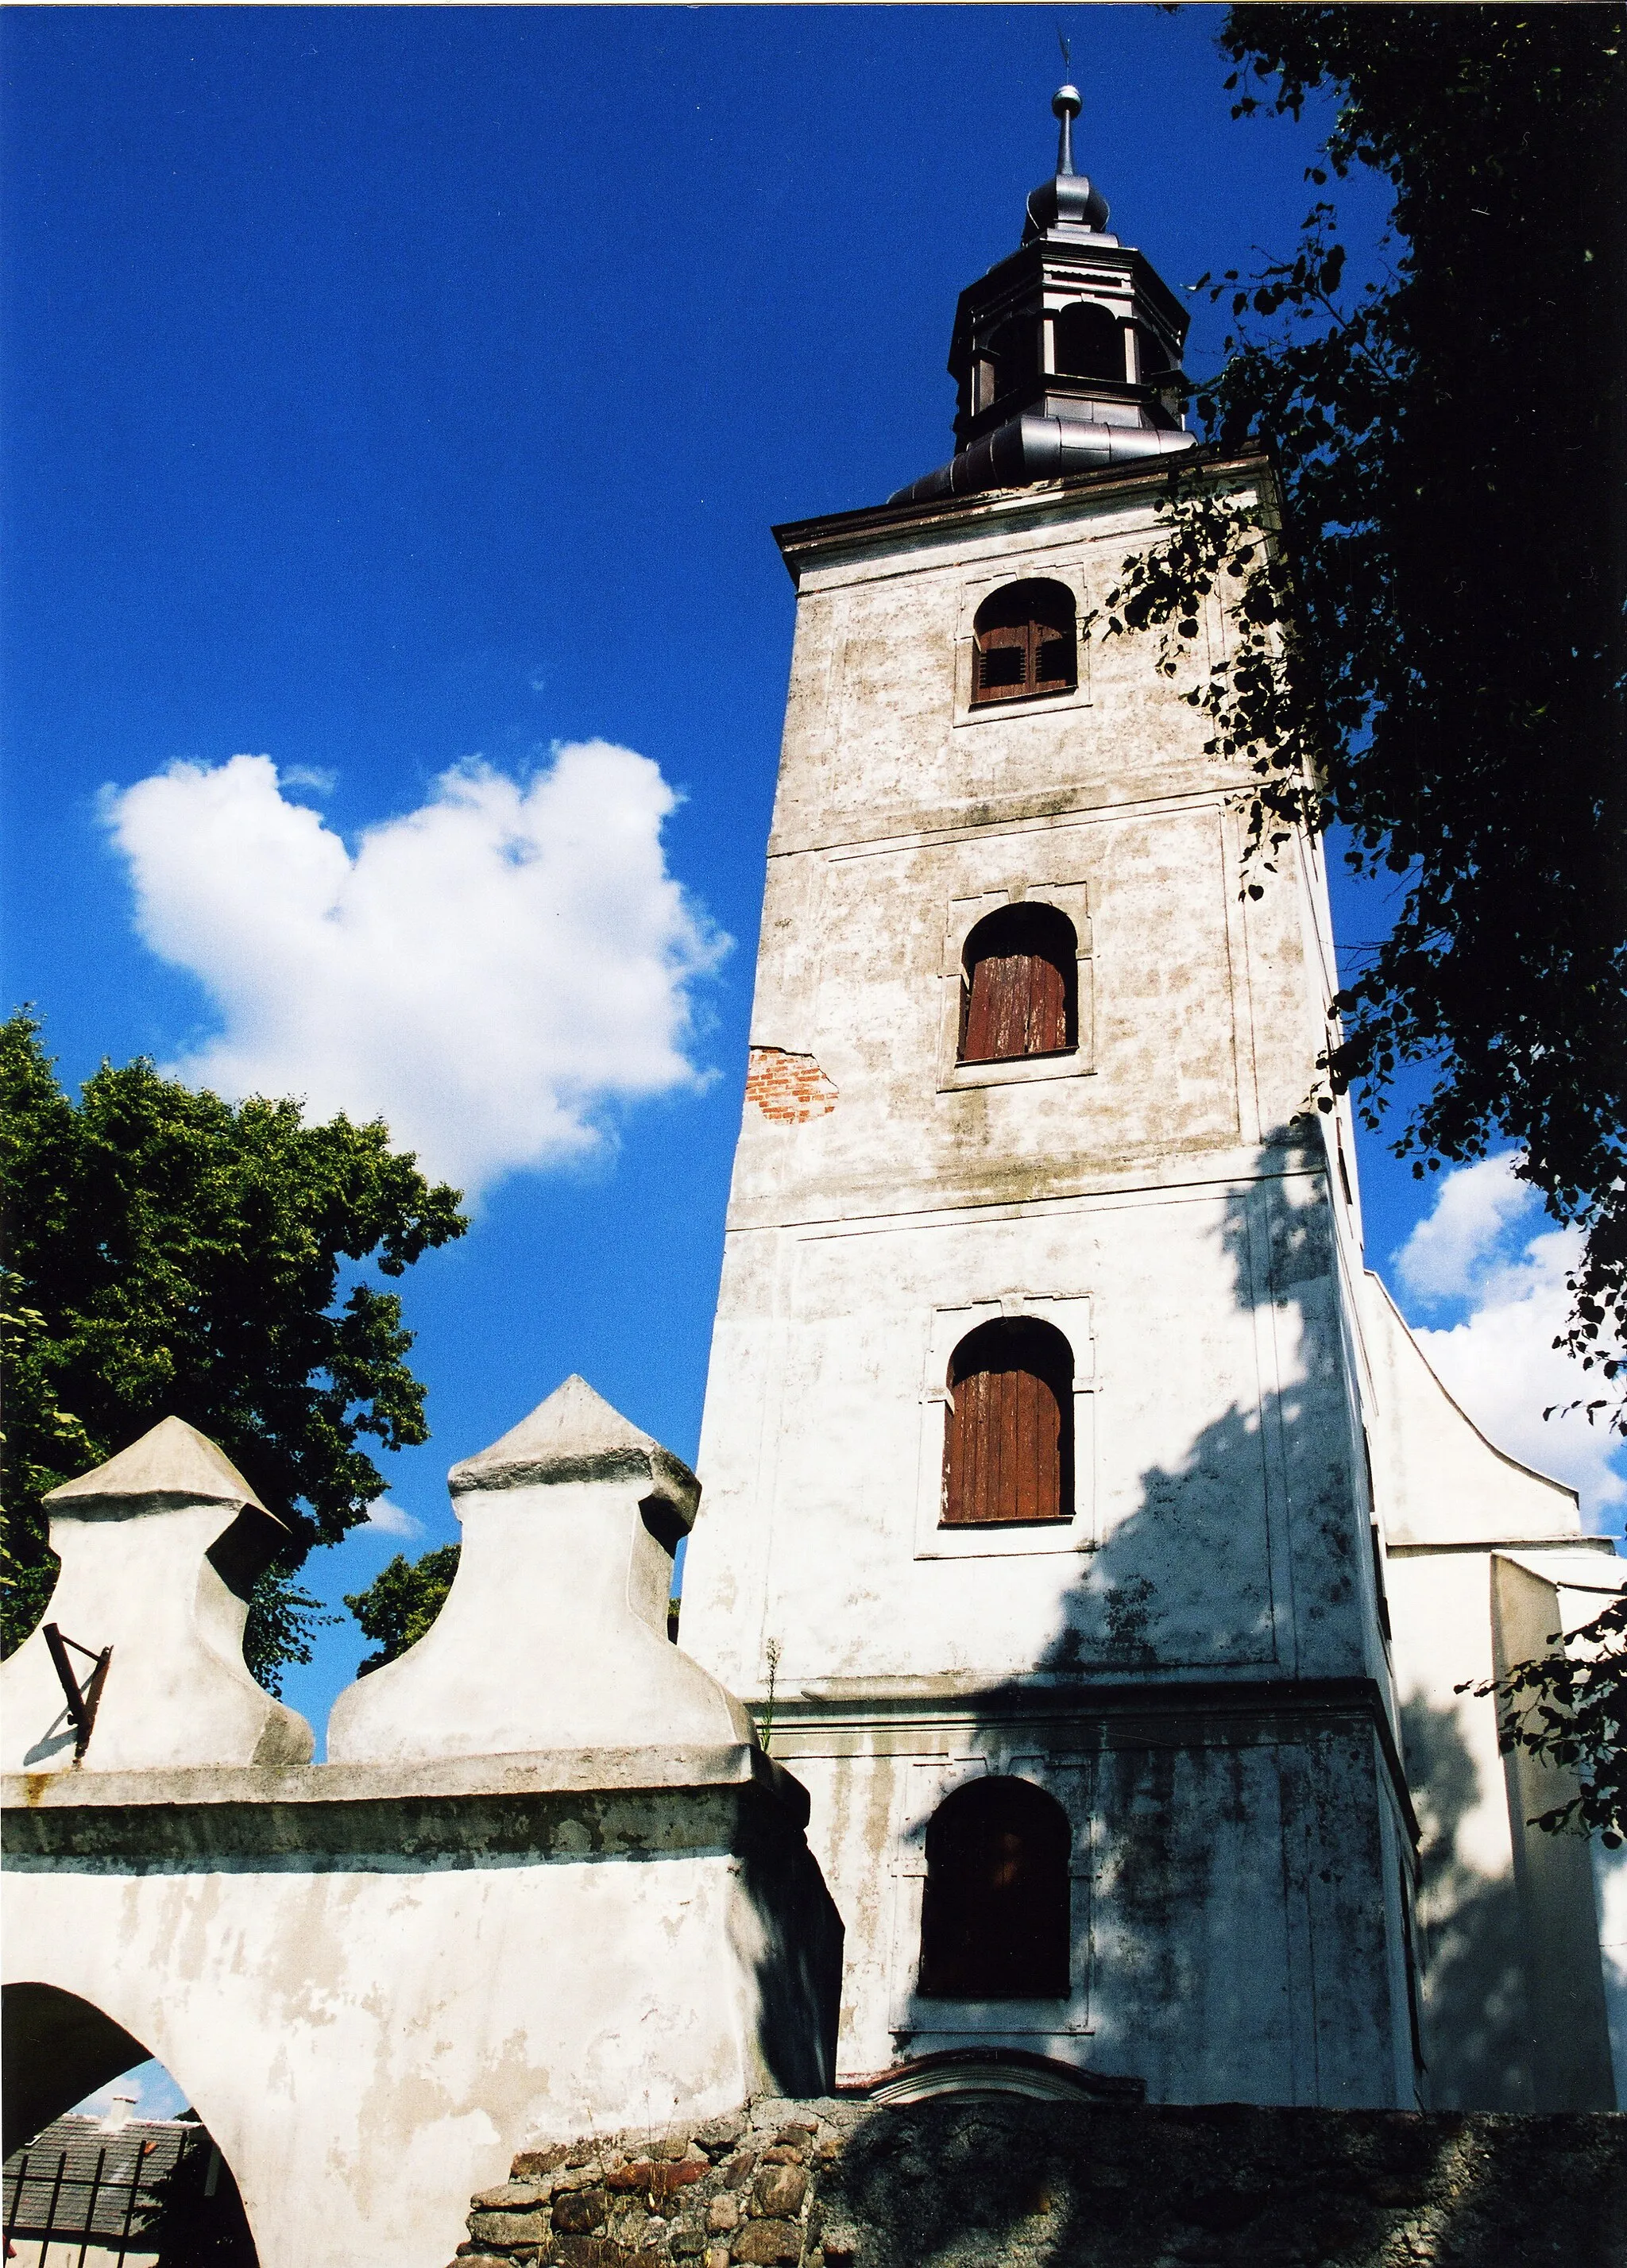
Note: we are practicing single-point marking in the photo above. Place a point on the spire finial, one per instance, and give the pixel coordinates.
(1066, 105)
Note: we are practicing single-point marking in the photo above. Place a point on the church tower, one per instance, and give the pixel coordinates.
(1036, 1504)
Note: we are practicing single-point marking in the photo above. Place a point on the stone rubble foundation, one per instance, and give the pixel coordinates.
(1005, 2182)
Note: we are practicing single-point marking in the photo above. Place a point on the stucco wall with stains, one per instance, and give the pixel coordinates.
(1161, 1197)
(375, 1987)
(548, 1880)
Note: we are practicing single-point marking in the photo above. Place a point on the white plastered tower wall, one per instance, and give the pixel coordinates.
(1195, 1666)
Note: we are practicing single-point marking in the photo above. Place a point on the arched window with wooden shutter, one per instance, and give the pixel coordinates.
(1019, 985)
(1008, 1439)
(1025, 641)
(995, 1918)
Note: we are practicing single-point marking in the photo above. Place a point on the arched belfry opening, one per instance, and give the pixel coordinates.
(1019, 985)
(1008, 359)
(1089, 343)
(1008, 1440)
(995, 1918)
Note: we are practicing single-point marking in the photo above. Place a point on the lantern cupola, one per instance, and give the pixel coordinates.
(1067, 354)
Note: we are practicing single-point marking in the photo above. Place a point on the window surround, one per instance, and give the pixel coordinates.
(1070, 898)
(911, 2016)
(1070, 575)
(1071, 1316)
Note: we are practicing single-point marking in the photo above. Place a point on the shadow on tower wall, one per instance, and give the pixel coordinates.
(1226, 1629)
(1476, 2018)
(797, 1961)
(1235, 1940)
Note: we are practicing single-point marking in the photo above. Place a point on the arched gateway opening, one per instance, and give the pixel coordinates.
(103, 2181)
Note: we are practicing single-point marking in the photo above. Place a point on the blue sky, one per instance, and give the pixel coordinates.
(394, 391)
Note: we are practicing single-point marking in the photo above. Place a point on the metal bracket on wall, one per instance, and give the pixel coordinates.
(82, 1699)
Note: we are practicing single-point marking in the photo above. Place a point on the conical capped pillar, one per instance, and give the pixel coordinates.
(553, 1636)
(575, 1435)
(137, 1664)
(172, 1463)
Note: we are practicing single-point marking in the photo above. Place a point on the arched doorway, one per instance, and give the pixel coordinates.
(96, 2178)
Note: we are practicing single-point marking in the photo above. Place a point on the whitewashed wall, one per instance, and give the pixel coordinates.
(1161, 1197)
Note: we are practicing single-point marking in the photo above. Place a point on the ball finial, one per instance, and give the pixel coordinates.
(1067, 105)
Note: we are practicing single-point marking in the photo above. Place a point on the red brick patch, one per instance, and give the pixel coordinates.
(789, 1089)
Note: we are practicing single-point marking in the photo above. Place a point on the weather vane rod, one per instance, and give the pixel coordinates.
(1066, 105)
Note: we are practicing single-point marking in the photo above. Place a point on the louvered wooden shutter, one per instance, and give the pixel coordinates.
(1053, 660)
(1007, 1444)
(996, 1921)
(1024, 642)
(1002, 661)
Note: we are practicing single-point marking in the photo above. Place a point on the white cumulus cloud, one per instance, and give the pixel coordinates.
(487, 973)
(1486, 1247)
(388, 1519)
(318, 777)
(1459, 1240)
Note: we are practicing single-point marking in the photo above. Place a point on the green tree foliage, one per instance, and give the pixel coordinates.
(402, 1602)
(1434, 657)
(1570, 1708)
(171, 1254)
